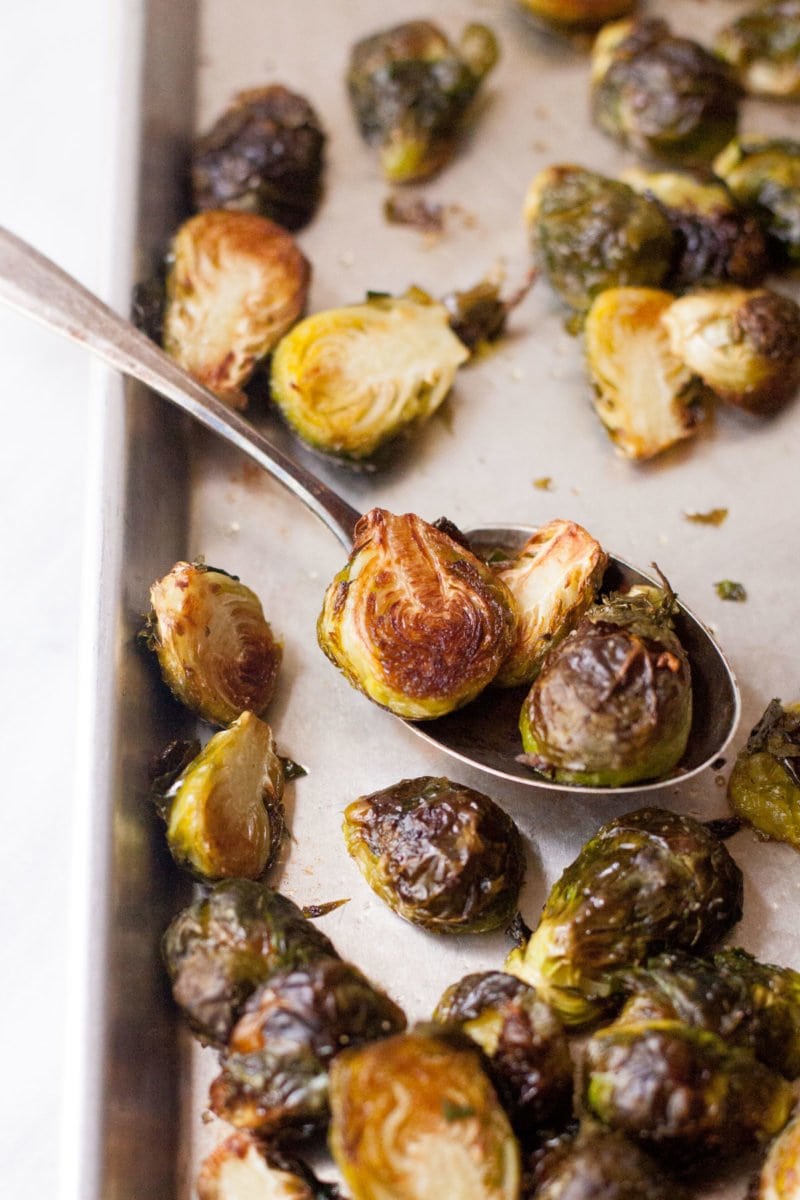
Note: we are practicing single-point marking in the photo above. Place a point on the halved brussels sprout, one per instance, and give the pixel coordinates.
(600, 1164)
(523, 1040)
(663, 96)
(553, 579)
(219, 949)
(350, 379)
(275, 1072)
(714, 240)
(764, 785)
(410, 88)
(440, 854)
(647, 880)
(744, 345)
(225, 817)
(215, 648)
(577, 15)
(589, 233)
(415, 620)
(763, 174)
(416, 1112)
(243, 1168)
(763, 47)
(647, 397)
(237, 283)
(612, 704)
(262, 155)
(779, 1178)
(681, 1091)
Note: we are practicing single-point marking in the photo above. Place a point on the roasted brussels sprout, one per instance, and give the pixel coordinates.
(440, 854)
(612, 703)
(350, 379)
(764, 785)
(263, 155)
(599, 1164)
(410, 88)
(745, 345)
(576, 15)
(219, 949)
(779, 1178)
(523, 1040)
(589, 233)
(681, 1091)
(225, 817)
(763, 174)
(237, 283)
(714, 240)
(763, 47)
(275, 1073)
(243, 1168)
(417, 1110)
(215, 648)
(645, 881)
(663, 96)
(553, 580)
(646, 396)
(415, 620)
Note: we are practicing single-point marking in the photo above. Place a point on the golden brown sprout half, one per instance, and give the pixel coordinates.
(237, 284)
(415, 620)
(745, 345)
(416, 1110)
(225, 817)
(553, 580)
(216, 650)
(574, 15)
(645, 395)
(780, 1174)
(243, 1168)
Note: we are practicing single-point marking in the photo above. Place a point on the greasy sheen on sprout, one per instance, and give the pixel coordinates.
(763, 174)
(414, 620)
(350, 379)
(214, 645)
(415, 1110)
(237, 283)
(763, 47)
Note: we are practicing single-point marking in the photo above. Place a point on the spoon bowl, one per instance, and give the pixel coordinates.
(484, 734)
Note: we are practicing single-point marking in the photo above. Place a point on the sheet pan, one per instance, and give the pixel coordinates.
(519, 414)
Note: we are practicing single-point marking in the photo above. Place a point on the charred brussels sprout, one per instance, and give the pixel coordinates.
(763, 47)
(225, 817)
(263, 155)
(219, 949)
(215, 648)
(612, 704)
(275, 1073)
(646, 396)
(350, 379)
(647, 880)
(415, 620)
(600, 1164)
(243, 1167)
(440, 854)
(236, 284)
(763, 174)
(523, 1040)
(714, 240)
(576, 15)
(410, 88)
(764, 786)
(681, 1091)
(663, 96)
(553, 580)
(414, 1111)
(744, 345)
(589, 233)
(779, 1178)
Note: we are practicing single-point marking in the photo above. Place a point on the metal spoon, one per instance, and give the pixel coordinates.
(485, 733)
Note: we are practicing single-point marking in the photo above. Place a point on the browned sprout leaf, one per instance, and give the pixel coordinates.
(712, 516)
(727, 589)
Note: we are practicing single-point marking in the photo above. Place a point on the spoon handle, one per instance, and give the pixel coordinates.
(35, 286)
